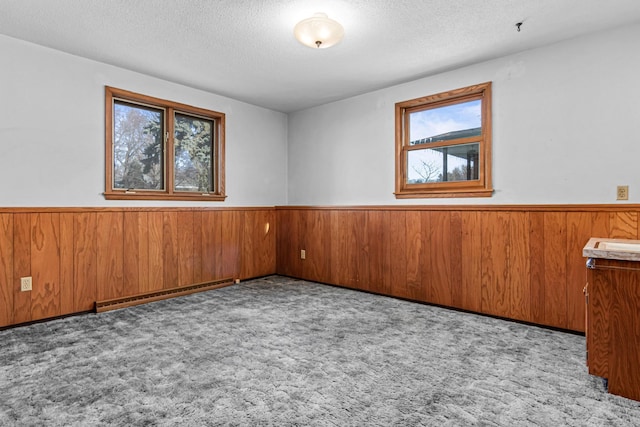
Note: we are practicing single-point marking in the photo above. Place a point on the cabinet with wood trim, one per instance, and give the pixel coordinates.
(613, 324)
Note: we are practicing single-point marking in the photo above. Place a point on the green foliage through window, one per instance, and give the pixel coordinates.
(193, 141)
(137, 147)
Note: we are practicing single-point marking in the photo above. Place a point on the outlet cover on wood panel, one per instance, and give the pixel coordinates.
(25, 283)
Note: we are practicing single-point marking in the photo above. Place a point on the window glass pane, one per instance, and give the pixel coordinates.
(446, 123)
(137, 147)
(193, 154)
(460, 162)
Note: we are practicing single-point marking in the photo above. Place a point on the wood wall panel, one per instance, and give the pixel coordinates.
(495, 264)
(258, 243)
(555, 262)
(355, 232)
(377, 242)
(438, 228)
(131, 253)
(21, 266)
(67, 285)
(338, 246)
(519, 272)
(519, 262)
(343, 250)
(6, 269)
(197, 247)
(287, 234)
(600, 224)
(109, 255)
(317, 243)
(415, 242)
(216, 242)
(296, 229)
(77, 256)
(266, 228)
(363, 250)
(170, 249)
(398, 249)
(623, 225)
(471, 261)
(475, 258)
(233, 223)
(536, 266)
(211, 231)
(456, 257)
(45, 265)
(135, 253)
(578, 232)
(85, 272)
(155, 227)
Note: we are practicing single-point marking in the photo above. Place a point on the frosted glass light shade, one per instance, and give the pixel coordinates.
(318, 31)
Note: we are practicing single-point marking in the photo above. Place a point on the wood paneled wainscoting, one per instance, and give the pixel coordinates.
(78, 256)
(518, 262)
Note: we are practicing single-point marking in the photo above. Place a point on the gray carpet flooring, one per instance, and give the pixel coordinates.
(284, 352)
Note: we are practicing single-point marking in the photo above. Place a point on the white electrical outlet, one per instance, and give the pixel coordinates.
(303, 254)
(25, 283)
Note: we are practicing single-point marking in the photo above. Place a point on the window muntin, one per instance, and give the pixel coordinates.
(162, 150)
(443, 144)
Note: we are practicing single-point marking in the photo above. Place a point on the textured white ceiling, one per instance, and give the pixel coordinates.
(245, 49)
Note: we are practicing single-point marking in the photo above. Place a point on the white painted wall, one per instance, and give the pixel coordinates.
(565, 129)
(52, 132)
(565, 121)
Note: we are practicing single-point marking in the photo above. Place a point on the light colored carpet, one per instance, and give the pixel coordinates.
(284, 352)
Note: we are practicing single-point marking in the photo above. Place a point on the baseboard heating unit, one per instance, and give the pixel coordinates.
(143, 298)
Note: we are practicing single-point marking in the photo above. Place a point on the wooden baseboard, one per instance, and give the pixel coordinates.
(143, 298)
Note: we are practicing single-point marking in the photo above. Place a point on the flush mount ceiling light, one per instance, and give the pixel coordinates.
(319, 31)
